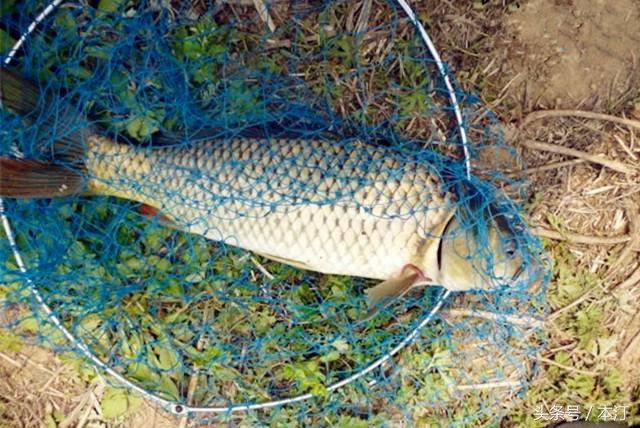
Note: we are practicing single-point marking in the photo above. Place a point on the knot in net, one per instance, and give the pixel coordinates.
(233, 179)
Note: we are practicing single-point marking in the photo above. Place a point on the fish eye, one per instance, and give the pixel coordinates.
(510, 250)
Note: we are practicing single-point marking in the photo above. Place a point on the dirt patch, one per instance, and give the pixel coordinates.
(572, 52)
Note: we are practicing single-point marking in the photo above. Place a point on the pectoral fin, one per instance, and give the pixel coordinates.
(386, 292)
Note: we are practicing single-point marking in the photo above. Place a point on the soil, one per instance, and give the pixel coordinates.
(576, 52)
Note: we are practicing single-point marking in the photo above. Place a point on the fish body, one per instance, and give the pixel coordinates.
(335, 207)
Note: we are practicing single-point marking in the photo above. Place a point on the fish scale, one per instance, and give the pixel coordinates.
(277, 198)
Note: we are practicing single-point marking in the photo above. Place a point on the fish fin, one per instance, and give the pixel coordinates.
(286, 261)
(154, 213)
(386, 292)
(55, 115)
(17, 93)
(32, 179)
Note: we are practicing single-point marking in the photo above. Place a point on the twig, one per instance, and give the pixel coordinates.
(363, 19)
(193, 380)
(625, 148)
(85, 416)
(634, 344)
(633, 214)
(554, 165)
(612, 164)
(523, 321)
(575, 303)
(26, 361)
(10, 360)
(581, 239)
(491, 385)
(568, 368)
(249, 2)
(73, 415)
(262, 269)
(537, 115)
(52, 379)
(633, 279)
(629, 282)
(264, 14)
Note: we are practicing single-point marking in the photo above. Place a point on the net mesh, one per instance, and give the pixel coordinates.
(199, 325)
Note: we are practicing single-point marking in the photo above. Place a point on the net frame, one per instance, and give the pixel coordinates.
(182, 408)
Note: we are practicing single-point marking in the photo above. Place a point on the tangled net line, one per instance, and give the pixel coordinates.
(139, 362)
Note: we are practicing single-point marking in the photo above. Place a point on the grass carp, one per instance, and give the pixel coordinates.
(346, 208)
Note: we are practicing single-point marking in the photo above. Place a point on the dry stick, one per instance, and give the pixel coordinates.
(625, 148)
(264, 14)
(491, 385)
(77, 410)
(631, 281)
(85, 416)
(581, 239)
(193, 380)
(25, 361)
(633, 214)
(568, 368)
(555, 165)
(10, 360)
(612, 164)
(522, 321)
(633, 345)
(262, 269)
(629, 249)
(537, 115)
(250, 2)
(363, 19)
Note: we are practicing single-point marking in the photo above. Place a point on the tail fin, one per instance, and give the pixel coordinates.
(33, 179)
(17, 93)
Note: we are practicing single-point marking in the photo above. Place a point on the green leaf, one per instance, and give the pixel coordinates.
(65, 19)
(169, 388)
(114, 403)
(6, 6)
(6, 42)
(142, 373)
(341, 345)
(110, 5)
(165, 358)
(581, 384)
(141, 127)
(330, 356)
(612, 381)
(28, 325)
(10, 342)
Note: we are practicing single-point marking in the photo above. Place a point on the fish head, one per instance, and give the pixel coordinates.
(480, 254)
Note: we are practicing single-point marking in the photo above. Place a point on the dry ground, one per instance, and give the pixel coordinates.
(565, 57)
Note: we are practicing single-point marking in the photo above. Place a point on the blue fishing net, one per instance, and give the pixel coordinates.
(204, 328)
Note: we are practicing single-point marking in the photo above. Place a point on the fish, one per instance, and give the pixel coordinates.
(341, 207)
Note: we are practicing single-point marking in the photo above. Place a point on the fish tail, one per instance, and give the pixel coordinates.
(32, 179)
(23, 178)
(17, 93)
